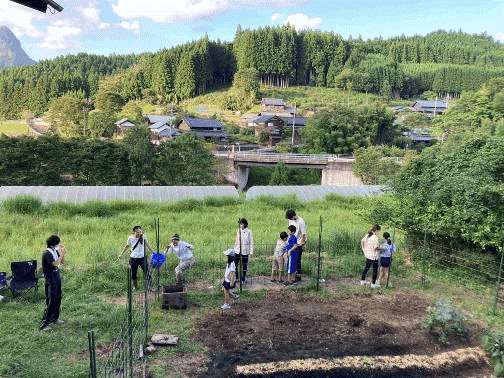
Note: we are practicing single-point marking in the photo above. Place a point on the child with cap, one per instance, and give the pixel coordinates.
(183, 251)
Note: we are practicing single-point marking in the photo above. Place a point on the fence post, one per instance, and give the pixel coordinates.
(319, 253)
(424, 249)
(497, 289)
(130, 325)
(92, 354)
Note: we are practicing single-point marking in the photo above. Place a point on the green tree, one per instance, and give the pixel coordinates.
(280, 175)
(141, 155)
(185, 161)
(100, 124)
(66, 116)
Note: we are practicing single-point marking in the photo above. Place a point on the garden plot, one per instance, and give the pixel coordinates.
(294, 334)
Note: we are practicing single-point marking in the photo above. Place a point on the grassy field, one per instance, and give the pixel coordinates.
(13, 128)
(94, 281)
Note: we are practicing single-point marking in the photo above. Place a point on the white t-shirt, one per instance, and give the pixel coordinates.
(139, 251)
(300, 227)
(280, 248)
(229, 268)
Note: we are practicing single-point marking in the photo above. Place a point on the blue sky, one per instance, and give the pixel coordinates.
(136, 26)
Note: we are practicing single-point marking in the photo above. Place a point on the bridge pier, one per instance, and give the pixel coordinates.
(339, 173)
(234, 173)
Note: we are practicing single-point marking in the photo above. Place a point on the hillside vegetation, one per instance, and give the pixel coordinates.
(443, 62)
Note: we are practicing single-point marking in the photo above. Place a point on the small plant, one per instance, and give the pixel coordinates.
(443, 318)
(493, 343)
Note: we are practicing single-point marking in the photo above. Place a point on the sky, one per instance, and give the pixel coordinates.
(135, 26)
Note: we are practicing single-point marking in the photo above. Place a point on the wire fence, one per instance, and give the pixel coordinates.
(330, 256)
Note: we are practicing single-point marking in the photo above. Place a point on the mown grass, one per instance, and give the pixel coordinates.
(13, 128)
(94, 281)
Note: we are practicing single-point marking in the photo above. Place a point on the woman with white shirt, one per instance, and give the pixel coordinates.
(244, 246)
(183, 251)
(370, 245)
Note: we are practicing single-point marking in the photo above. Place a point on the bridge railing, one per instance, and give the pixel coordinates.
(275, 157)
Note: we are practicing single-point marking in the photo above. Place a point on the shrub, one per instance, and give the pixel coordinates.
(284, 202)
(493, 343)
(445, 320)
(96, 209)
(23, 204)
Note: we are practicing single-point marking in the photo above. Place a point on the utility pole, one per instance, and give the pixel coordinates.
(293, 124)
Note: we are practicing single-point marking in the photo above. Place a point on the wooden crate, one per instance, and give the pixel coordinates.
(174, 296)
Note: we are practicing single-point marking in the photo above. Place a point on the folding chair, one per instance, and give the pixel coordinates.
(24, 277)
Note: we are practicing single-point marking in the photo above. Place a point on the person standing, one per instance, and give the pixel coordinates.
(300, 225)
(244, 246)
(137, 243)
(386, 254)
(370, 245)
(52, 258)
(183, 251)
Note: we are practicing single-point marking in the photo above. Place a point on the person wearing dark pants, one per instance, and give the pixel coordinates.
(52, 258)
(244, 246)
(137, 243)
(370, 245)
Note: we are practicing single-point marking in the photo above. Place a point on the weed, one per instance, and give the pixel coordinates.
(23, 204)
(493, 343)
(444, 319)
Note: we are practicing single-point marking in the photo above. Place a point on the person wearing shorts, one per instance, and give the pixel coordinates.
(278, 257)
(387, 251)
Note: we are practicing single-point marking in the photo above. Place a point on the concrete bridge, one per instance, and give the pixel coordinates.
(336, 169)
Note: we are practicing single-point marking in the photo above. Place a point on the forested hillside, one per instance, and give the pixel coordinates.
(444, 62)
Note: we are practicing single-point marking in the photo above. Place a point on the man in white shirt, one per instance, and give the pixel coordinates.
(300, 234)
(183, 251)
(137, 244)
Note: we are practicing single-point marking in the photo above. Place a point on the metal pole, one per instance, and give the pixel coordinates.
(424, 249)
(497, 289)
(130, 324)
(240, 270)
(319, 253)
(92, 354)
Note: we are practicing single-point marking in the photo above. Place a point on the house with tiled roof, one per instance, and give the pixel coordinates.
(122, 125)
(275, 125)
(430, 107)
(160, 132)
(203, 128)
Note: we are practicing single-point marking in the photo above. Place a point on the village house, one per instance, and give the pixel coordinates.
(275, 126)
(431, 108)
(122, 125)
(203, 128)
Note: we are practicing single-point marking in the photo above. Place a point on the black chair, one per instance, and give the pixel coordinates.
(24, 277)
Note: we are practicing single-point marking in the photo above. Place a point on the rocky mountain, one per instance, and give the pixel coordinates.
(11, 52)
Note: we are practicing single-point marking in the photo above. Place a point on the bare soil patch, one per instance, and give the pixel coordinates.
(259, 338)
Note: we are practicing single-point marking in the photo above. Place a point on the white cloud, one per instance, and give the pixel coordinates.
(19, 19)
(276, 16)
(58, 36)
(91, 13)
(170, 11)
(499, 37)
(274, 3)
(133, 26)
(301, 21)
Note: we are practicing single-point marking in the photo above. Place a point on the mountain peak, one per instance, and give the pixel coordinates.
(11, 52)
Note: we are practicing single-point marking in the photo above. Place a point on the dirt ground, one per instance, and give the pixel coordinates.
(294, 334)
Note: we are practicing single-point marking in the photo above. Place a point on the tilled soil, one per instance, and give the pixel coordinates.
(288, 325)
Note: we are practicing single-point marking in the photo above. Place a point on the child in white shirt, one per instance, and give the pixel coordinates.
(278, 257)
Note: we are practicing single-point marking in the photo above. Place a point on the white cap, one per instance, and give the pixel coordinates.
(229, 252)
